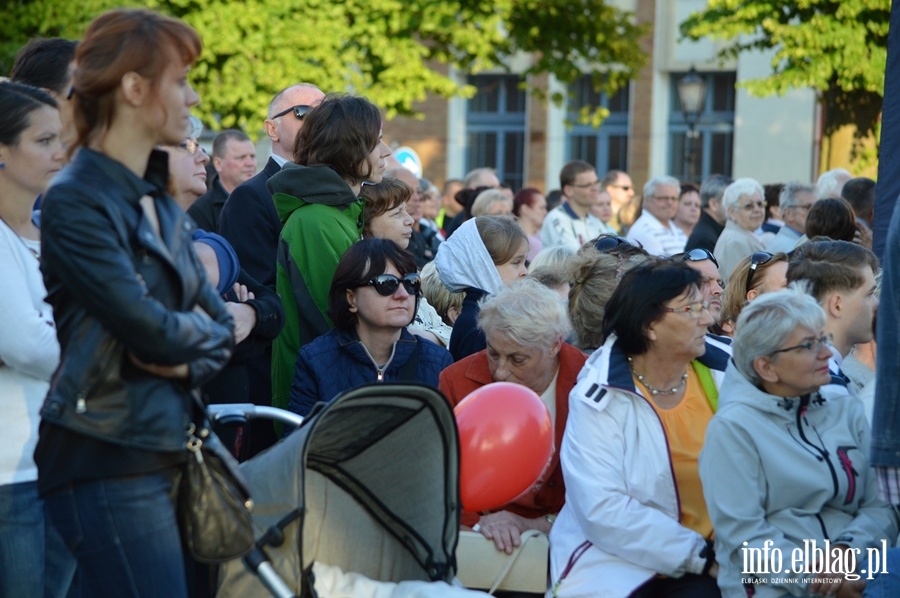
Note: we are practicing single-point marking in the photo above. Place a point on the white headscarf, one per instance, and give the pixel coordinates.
(463, 261)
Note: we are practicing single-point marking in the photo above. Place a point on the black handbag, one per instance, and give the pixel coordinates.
(214, 501)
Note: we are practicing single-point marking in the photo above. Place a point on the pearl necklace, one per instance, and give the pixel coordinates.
(656, 391)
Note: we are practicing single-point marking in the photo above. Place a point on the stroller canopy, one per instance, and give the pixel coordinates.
(369, 484)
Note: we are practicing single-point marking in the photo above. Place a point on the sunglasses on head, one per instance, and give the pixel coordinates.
(387, 284)
(299, 111)
(699, 255)
(757, 259)
(608, 242)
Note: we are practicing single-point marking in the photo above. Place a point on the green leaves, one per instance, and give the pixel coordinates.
(387, 50)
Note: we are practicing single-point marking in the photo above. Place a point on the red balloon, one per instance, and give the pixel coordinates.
(505, 443)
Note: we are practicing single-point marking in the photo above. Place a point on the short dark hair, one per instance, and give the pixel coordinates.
(829, 266)
(610, 178)
(833, 218)
(860, 194)
(340, 133)
(772, 193)
(381, 198)
(218, 146)
(362, 261)
(640, 299)
(17, 101)
(44, 62)
(571, 170)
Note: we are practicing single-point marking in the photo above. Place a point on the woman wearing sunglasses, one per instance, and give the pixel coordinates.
(372, 300)
(783, 466)
(762, 272)
(745, 208)
(635, 523)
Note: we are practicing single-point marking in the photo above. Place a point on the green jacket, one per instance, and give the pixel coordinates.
(318, 229)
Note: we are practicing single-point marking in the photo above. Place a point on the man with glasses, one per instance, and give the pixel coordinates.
(620, 188)
(711, 285)
(571, 223)
(712, 214)
(795, 201)
(654, 230)
(234, 160)
(841, 277)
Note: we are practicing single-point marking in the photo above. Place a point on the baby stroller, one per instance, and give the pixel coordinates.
(368, 484)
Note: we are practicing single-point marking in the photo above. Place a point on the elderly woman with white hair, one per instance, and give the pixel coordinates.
(784, 467)
(745, 206)
(526, 326)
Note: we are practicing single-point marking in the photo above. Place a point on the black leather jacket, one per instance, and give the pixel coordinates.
(115, 289)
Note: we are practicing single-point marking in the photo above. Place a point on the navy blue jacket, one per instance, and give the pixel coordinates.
(250, 223)
(337, 361)
(466, 338)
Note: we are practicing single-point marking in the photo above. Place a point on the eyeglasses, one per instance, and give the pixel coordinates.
(800, 207)
(387, 284)
(755, 205)
(622, 187)
(595, 185)
(299, 111)
(190, 146)
(71, 92)
(607, 242)
(699, 255)
(812, 345)
(693, 310)
(756, 260)
(669, 198)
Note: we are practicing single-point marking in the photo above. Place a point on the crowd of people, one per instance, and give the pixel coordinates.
(707, 354)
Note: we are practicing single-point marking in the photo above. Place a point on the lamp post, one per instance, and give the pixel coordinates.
(692, 95)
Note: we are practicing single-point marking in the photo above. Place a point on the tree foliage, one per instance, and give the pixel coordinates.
(837, 47)
(383, 49)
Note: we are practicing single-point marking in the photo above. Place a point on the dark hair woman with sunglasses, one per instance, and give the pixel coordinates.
(372, 300)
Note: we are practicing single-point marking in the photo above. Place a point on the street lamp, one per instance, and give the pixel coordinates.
(692, 94)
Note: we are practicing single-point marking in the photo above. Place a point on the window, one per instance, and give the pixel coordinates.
(495, 125)
(605, 147)
(714, 143)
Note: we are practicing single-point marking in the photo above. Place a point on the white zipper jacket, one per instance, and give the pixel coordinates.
(787, 470)
(619, 526)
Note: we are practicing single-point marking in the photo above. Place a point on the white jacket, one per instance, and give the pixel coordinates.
(619, 526)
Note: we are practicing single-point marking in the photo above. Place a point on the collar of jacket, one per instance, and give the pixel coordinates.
(742, 391)
(153, 183)
(312, 185)
(403, 348)
(715, 358)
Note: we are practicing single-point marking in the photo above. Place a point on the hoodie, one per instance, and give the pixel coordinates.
(787, 470)
(322, 218)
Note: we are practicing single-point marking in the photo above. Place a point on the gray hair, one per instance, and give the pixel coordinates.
(527, 313)
(486, 200)
(659, 181)
(713, 188)
(552, 256)
(831, 181)
(476, 178)
(767, 321)
(788, 197)
(738, 189)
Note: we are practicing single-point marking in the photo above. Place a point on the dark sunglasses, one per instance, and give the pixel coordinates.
(299, 111)
(608, 242)
(699, 255)
(757, 259)
(387, 284)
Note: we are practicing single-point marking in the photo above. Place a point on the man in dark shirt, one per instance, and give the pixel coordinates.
(712, 215)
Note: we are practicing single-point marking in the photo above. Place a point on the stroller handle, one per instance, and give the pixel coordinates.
(248, 411)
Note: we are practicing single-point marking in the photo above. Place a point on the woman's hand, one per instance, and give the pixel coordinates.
(178, 372)
(506, 528)
(244, 315)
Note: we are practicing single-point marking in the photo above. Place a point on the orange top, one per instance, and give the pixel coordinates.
(685, 426)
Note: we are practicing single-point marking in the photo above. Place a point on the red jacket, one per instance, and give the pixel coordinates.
(471, 373)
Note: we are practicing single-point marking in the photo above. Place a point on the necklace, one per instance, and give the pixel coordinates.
(657, 391)
(36, 255)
